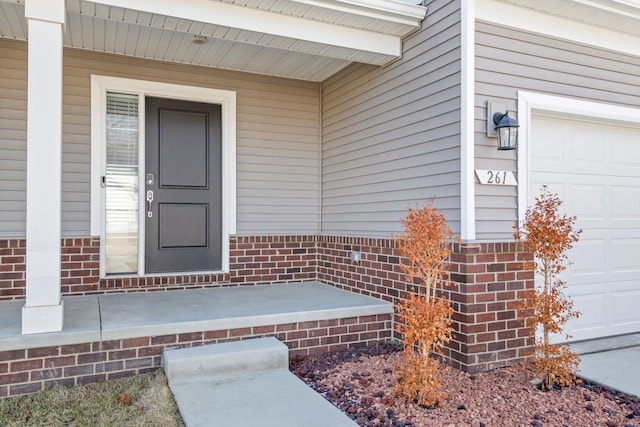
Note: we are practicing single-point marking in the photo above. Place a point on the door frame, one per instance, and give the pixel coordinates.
(225, 98)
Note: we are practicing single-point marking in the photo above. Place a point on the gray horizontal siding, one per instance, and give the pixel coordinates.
(391, 135)
(508, 60)
(13, 137)
(278, 133)
(76, 153)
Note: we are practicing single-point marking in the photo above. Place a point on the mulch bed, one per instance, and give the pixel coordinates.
(361, 383)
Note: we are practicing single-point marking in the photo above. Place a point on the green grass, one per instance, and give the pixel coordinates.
(97, 404)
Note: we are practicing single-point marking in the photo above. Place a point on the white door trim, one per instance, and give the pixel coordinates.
(227, 100)
(529, 102)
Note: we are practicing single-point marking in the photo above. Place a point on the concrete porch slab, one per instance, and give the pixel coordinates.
(81, 324)
(131, 315)
(135, 315)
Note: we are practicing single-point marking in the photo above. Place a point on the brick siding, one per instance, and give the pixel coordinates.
(31, 370)
(12, 269)
(378, 274)
(253, 260)
(272, 259)
(488, 280)
(80, 266)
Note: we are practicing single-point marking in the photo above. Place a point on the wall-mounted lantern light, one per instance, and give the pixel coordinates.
(500, 125)
(507, 129)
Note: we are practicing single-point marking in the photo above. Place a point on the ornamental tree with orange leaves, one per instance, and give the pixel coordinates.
(549, 235)
(426, 316)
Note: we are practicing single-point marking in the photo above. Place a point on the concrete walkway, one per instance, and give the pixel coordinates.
(270, 399)
(614, 362)
(245, 384)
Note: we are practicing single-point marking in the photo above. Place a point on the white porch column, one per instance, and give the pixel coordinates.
(43, 311)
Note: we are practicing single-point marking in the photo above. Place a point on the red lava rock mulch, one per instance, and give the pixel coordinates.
(361, 383)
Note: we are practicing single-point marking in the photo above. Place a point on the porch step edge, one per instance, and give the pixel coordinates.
(224, 361)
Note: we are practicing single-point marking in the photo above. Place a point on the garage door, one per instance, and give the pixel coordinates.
(595, 169)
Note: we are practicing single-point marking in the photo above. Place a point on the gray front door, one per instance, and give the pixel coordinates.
(183, 170)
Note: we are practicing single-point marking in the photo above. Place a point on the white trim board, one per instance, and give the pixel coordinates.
(529, 102)
(293, 27)
(467, 134)
(512, 16)
(225, 98)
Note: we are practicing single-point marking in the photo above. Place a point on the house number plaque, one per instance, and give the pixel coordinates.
(496, 177)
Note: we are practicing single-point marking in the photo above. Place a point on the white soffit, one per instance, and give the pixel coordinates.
(609, 24)
(302, 39)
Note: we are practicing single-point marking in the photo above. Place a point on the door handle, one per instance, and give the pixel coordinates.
(149, 200)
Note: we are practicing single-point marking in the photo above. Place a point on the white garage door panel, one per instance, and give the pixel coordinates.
(593, 319)
(625, 152)
(626, 203)
(593, 249)
(584, 197)
(604, 311)
(625, 255)
(595, 169)
(629, 301)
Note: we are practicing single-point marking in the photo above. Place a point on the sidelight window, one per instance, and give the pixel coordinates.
(121, 183)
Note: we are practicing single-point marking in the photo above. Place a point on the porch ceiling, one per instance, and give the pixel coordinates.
(616, 15)
(301, 39)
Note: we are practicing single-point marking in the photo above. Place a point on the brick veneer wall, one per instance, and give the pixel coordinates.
(272, 259)
(378, 274)
(27, 371)
(487, 281)
(12, 269)
(253, 260)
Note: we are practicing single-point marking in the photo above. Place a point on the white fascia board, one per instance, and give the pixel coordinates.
(512, 16)
(630, 8)
(397, 12)
(228, 15)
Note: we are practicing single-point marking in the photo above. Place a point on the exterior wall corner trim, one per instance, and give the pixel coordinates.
(467, 142)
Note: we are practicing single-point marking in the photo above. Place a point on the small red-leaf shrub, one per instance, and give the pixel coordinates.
(549, 235)
(426, 316)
